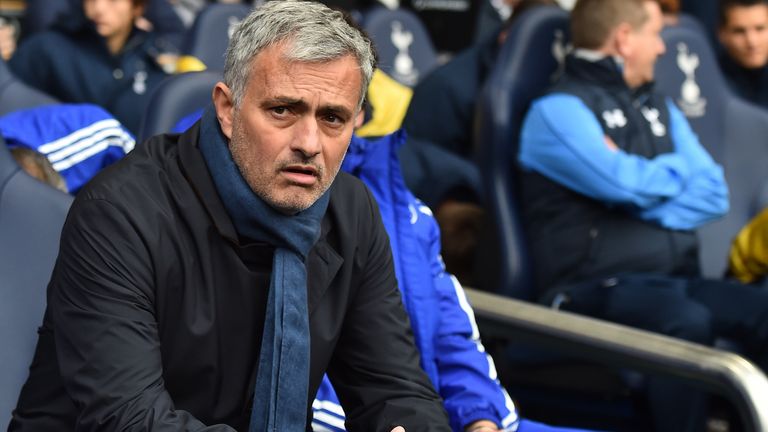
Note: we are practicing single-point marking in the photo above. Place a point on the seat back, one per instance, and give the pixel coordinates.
(403, 44)
(176, 97)
(209, 36)
(730, 129)
(31, 217)
(526, 66)
(15, 95)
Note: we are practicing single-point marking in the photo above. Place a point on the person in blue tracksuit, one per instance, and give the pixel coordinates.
(614, 185)
(79, 140)
(95, 54)
(442, 319)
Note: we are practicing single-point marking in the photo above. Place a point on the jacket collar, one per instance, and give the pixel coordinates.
(603, 70)
(595, 68)
(323, 262)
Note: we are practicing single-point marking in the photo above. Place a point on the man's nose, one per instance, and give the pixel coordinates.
(307, 139)
(752, 37)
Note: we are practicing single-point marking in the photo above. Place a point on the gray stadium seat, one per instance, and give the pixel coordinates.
(176, 97)
(15, 95)
(31, 216)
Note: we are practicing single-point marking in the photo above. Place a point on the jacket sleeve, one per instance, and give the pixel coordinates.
(467, 375)
(327, 413)
(562, 140)
(101, 301)
(748, 259)
(705, 194)
(375, 367)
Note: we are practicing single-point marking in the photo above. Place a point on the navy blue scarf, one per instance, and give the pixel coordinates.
(281, 392)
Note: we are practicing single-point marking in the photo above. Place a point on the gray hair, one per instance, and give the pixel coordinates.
(313, 33)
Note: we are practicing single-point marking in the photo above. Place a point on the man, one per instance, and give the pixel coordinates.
(743, 33)
(614, 185)
(193, 274)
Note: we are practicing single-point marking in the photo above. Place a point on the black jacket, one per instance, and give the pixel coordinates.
(156, 309)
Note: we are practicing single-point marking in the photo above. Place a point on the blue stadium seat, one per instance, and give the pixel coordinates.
(176, 97)
(209, 36)
(733, 131)
(526, 66)
(31, 216)
(405, 49)
(15, 95)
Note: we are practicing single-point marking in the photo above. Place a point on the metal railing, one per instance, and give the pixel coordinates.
(718, 371)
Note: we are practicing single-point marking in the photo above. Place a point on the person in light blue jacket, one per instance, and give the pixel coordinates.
(442, 319)
(614, 184)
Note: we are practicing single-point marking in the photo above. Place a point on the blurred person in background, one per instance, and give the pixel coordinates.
(95, 54)
(743, 34)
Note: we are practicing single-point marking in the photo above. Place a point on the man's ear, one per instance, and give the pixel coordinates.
(359, 118)
(225, 106)
(623, 35)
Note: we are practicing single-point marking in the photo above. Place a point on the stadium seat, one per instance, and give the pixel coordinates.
(15, 95)
(405, 49)
(31, 216)
(176, 97)
(209, 36)
(522, 72)
(731, 129)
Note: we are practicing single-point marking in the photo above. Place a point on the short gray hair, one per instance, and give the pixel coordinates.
(313, 33)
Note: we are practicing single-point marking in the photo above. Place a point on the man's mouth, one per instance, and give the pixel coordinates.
(305, 175)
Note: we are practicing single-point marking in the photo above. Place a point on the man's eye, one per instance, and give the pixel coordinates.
(280, 110)
(334, 119)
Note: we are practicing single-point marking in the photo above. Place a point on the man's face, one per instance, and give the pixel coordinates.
(293, 127)
(644, 46)
(744, 35)
(111, 17)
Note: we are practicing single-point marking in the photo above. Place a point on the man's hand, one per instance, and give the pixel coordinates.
(482, 426)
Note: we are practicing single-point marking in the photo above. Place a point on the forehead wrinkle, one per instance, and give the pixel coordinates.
(281, 77)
